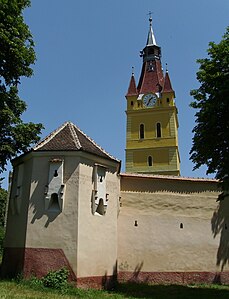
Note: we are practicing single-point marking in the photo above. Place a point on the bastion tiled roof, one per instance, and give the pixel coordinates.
(69, 137)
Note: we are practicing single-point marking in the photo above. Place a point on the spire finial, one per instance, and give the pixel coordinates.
(151, 38)
(132, 70)
(150, 18)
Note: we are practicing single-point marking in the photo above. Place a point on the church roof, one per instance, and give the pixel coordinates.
(69, 137)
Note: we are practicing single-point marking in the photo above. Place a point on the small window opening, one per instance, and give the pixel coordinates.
(158, 130)
(167, 100)
(181, 225)
(132, 103)
(55, 173)
(101, 179)
(54, 203)
(150, 66)
(150, 161)
(100, 209)
(225, 226)
(135, 223)
(142, 131)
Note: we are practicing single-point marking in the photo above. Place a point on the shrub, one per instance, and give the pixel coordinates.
(56, 279)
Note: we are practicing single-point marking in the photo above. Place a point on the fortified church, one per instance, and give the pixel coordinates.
(71, 207)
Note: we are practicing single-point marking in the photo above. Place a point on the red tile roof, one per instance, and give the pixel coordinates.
(151, 80)
(69, 137)
(132, 90)
(167, 84)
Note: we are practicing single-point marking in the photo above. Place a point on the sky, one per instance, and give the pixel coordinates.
(85, 52)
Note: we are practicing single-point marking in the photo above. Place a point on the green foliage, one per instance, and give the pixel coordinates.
(27, 289)
(16, 55)
(56, 279)
(2, 236)
(3, 200)
(211, 99)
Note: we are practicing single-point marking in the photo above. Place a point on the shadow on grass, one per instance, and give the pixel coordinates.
(134, 290)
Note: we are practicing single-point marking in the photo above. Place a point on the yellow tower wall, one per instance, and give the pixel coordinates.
(163, 149)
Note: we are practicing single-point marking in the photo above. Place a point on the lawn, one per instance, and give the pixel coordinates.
(28, 290)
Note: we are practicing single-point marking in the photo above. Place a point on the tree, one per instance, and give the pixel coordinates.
(16, 55)
(3, 199)
(211, 132)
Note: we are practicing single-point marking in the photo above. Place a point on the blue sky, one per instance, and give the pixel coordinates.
(86, 49)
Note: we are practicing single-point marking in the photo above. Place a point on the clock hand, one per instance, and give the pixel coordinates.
(149, 100)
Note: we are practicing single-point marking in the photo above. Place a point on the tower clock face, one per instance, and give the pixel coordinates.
(149, 100)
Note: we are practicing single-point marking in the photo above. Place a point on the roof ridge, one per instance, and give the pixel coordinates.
(95, 144)
(143, 78)
(49, 136)
(75, 137)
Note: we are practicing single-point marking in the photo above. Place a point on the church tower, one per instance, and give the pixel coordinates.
(152, 123)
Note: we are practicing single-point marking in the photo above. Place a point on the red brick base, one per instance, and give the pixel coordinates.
(39, 261)
(175, 277)
(96, 282)
(34, 262)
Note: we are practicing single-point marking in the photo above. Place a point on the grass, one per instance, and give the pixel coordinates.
(31, 290)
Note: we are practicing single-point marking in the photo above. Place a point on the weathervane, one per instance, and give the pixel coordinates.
(132, 70)
(150, 17)
(166, 65)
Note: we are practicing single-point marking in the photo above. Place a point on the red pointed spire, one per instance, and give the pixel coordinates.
(152, 77)
(132, 90)
(167, 84)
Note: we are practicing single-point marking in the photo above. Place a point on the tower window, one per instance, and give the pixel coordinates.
(150, 161)
(132, 103)
(158, 127)
(167, 100)
(142, 131)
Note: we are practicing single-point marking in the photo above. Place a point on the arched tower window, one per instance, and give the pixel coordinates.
(150, 161)
(158, 128)
(142, 131)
